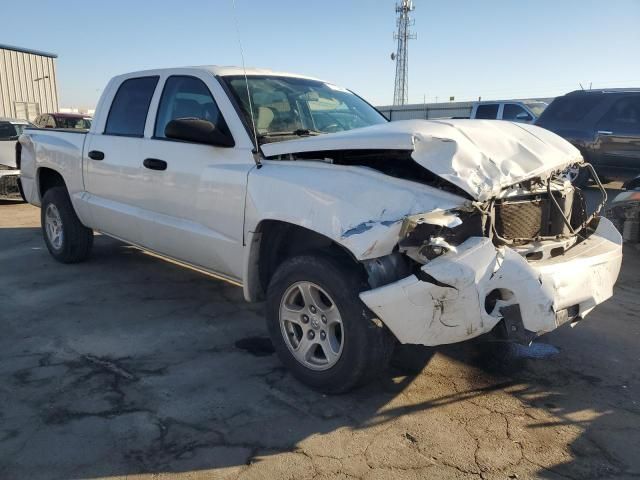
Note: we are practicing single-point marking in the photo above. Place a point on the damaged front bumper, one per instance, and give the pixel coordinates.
(463, 294)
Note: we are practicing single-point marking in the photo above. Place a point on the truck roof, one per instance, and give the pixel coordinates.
(219, 70)
(522, 100)
(604, 90)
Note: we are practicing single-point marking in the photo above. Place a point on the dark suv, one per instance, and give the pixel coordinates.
(604, 125)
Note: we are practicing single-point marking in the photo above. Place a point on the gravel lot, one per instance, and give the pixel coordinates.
(130, 367)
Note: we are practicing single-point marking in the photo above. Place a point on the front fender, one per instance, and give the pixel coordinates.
(359, 208)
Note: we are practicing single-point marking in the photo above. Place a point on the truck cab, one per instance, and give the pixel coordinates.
(523, 111)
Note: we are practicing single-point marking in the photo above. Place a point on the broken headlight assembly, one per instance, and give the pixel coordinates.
(538, 218)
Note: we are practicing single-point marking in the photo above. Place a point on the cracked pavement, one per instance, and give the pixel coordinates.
(129, 367)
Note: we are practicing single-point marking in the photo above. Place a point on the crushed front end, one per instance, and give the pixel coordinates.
(530, 259)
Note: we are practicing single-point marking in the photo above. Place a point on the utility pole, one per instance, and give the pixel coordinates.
(401, 57)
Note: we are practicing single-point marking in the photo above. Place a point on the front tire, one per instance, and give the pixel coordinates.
(320, 328)
(67, 239)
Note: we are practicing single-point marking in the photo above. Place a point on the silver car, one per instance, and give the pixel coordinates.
(10, 130)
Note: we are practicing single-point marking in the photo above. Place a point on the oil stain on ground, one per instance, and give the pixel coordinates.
(257, 346)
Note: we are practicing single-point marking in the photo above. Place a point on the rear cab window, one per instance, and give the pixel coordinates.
(129, 108)
(487, 111)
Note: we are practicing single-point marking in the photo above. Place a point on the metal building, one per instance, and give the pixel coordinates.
(28, 84)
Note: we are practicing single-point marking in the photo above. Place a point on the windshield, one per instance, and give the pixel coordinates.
(536, 107)
(79, 123)
(296, 106)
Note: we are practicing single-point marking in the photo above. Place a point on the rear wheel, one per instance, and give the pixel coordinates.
(67, 239)
(578, 176)
(319, 327)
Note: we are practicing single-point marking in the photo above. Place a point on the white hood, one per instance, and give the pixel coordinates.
(482, 157)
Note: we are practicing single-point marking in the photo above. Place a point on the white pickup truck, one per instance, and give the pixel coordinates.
(357, 232)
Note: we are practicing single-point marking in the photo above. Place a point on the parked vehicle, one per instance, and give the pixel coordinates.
(524, 111)
(63, 120)
(624, 211)
(357, 232)
(604, 125)
(10, 130)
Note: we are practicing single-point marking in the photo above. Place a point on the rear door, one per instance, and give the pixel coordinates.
(618, 135)
(197, 191)
(113, 171)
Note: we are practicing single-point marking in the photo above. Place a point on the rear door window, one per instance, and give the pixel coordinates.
(487, 111)
(511, 112)
(130, 106)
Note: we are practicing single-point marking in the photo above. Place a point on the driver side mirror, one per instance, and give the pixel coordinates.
(198, 131)
(523, 117)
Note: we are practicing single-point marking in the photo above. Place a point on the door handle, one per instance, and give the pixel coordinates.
(96, 155)
(605, 132)
(155, 164)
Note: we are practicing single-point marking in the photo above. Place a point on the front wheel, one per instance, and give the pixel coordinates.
(319, 327)
(578, 176)
(67, 239)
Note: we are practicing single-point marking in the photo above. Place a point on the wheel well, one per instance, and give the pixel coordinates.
(18, 154)
(281, 240)
(48, 178)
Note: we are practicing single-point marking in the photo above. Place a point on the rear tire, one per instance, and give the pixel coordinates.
(339, 347)
(67, 239)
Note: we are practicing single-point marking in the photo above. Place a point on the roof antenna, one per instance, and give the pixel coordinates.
(578, 82)
(246, 81)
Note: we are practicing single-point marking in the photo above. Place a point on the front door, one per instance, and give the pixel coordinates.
(197, 191)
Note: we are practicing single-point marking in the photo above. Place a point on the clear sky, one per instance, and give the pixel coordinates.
(465, 48)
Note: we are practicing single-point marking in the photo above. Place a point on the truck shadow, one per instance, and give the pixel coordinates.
(128, 365)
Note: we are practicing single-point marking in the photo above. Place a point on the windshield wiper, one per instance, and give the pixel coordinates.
(300, 132)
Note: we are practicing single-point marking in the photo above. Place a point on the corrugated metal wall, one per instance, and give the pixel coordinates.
(27, 84)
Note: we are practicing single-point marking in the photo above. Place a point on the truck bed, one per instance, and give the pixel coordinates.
(59, 149)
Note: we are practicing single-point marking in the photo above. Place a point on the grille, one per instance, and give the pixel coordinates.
(521, 219)
(527, 218)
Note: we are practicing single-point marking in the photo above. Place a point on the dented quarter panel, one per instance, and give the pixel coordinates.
(453, 310)
(357, 207)
(482, 157)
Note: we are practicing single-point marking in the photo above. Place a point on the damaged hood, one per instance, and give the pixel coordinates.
(482, 157)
